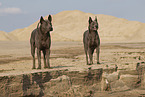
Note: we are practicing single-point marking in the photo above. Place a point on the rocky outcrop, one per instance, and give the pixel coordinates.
(70, 83)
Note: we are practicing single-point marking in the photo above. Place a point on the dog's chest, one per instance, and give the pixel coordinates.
(44, 43)
(93, 43)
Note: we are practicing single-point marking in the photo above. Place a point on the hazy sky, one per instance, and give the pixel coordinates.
(15, 14)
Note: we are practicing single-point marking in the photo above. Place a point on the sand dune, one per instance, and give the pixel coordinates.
(4, 36)
(70, 25)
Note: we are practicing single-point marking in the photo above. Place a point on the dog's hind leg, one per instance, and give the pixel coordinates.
(98, 52)
(86, 52)
(33, 55)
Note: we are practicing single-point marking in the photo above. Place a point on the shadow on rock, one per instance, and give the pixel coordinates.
(33, 85)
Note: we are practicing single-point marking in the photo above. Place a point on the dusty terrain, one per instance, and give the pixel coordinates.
(15, 59)
(120, 74)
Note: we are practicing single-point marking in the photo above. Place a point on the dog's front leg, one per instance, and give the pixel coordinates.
(47, 57)
(44, 54)
(39, 58)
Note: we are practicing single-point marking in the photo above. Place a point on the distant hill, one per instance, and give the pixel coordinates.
(4, 36)
(70, 25)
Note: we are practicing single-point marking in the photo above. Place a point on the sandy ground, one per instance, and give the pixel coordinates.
(15, 57)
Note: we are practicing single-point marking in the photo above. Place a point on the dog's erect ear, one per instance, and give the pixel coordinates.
(96, 22)
(96, 18)
(41, 20)
(90, 20)
(50, 18)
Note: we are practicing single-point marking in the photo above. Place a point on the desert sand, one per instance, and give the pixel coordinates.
(5, 36)
(16, 64)
(122, 45)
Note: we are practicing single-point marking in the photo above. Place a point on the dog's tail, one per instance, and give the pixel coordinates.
(37, 25)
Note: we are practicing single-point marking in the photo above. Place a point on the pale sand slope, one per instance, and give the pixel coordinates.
(5, 36)
(70, 25)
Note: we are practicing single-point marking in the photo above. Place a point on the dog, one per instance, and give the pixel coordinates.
(41, 39)
(91, 40)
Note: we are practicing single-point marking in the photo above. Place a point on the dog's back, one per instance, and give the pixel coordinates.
(33, 35)
(85, 38)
